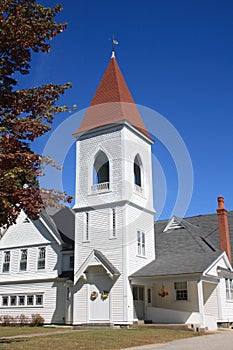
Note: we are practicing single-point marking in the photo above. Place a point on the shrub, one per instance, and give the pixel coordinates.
(36, 320)
(22, 320)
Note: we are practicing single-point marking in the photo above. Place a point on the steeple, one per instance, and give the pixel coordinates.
(112, 103)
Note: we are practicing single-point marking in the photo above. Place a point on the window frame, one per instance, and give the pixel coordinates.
(229, 289)
(141, 243)
(86, 227)
(41, 261)
(181, 292)
(6, 261)
(23, 262)
(22, 300)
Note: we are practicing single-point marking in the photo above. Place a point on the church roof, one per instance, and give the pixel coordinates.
(112, 103)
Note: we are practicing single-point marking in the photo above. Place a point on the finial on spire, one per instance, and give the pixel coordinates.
(114, 42)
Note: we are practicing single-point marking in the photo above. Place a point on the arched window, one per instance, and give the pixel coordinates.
(137, 171)
(101, 168)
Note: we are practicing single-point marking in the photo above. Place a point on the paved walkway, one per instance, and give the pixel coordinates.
(220, 340)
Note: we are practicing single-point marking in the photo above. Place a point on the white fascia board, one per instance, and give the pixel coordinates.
(81, 271)
(226, 260)
(50, 230)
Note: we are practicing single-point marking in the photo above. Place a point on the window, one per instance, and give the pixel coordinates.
(23, 300)
(100, 173)
(86, 225)
(71, 262)
(39, 299)
(114, 222)
(41, 258)
(112, 215)
(5, 300)
(30, 300)
(229, 289)
(137, 171)
(141, 248)
(138, 293)
(101, 168)
(149, 296)
(23, 260)
(181, 290)
(6, 261)
(13, 300)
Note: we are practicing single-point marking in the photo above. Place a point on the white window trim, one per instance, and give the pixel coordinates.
(25, 295)
(229, 290)
(113, 230)
(187, 288)
(86, 229)
(37, 261)
(141, 252)
(20, 256)
(4, 262)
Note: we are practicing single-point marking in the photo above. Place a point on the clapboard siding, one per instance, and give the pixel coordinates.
(143, 221)
(210, 299)
(170, 302)
(87, 149)
(52, 264)
(100, 239)
(53, 309)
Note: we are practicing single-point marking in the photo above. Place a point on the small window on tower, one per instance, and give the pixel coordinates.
(101, 173)
(138, 175)
(113, 228)
(86, 227)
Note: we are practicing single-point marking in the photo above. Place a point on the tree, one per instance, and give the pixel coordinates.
(25, 114)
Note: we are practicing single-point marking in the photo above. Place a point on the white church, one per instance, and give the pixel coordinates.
(106, 261)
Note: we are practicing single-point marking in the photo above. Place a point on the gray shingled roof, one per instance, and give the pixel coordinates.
(186, 250)
(62, 220)
(102, 258)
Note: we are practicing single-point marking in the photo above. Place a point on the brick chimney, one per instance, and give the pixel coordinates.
(223, 228)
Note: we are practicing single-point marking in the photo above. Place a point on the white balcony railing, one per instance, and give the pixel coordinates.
(101, 187)
(138, 189)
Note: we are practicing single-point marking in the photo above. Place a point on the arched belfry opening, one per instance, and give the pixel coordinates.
(101, 168)
(138, 171)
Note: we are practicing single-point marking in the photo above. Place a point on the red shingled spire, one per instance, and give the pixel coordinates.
(112, 103)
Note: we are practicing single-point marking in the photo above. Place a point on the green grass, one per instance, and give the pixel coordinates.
(95, 339)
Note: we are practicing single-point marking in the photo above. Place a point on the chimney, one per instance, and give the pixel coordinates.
(223, 228)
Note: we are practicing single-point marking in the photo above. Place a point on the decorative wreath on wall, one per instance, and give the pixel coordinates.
(94, 295)
(104, 295)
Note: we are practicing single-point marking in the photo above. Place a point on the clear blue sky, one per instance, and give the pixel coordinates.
(177, 59)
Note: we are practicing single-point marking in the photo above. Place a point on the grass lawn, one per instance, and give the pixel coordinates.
(94, 339)
(14, 331)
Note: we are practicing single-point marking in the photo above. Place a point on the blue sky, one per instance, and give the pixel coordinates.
(177, 59)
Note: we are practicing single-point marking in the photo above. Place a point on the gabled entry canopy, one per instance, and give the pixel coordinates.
(112, 103)
(94, 259)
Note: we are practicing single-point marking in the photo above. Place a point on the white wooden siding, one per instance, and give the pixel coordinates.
(210, 299)
(52, 264)
(53, 309)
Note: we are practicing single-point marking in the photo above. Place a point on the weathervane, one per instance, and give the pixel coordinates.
(114, 42)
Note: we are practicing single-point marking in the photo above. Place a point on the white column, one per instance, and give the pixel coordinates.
(201, 304)
(219, 299)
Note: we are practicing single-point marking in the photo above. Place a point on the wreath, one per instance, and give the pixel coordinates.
(104, 294)
(94, 295)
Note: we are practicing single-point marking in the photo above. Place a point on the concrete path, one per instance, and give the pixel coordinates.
(219, 341)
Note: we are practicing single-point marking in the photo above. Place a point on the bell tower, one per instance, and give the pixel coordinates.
(114, 233)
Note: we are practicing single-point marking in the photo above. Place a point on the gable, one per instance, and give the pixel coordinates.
(221, 262)
(26, 233)
(173, 224)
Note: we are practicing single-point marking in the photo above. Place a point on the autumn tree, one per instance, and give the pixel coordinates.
(25, 114)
